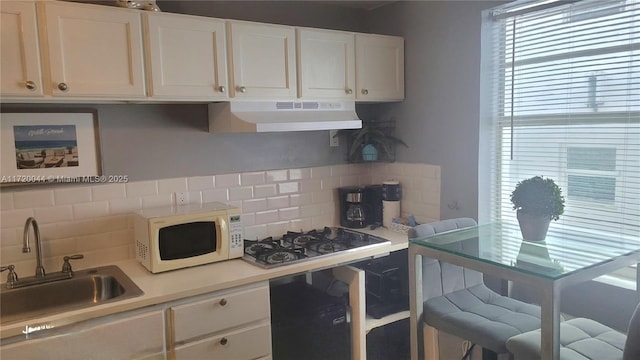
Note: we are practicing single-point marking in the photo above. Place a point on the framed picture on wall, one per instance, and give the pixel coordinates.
(49, 147)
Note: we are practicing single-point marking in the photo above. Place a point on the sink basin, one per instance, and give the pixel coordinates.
(87, 288)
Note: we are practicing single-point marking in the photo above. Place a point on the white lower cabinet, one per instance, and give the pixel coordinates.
(231, 324)
(251, 342)
(139, 336)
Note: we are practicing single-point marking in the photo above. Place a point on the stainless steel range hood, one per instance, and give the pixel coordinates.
(278, 116)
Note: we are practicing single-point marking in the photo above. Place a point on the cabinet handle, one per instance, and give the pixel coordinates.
(63, 87)
(365, 92)
(223, 302)
(242, 89)
(30, 85)
(221, 89)
(349, 91)
(224, 341)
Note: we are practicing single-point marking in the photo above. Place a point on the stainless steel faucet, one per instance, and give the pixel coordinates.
(25, 244)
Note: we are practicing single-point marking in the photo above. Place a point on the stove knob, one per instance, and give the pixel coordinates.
(223, 302)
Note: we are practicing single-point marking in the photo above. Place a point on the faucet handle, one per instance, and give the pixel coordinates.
(66, 267)
(12, 277)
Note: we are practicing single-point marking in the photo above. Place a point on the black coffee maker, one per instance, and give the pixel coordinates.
(352, 213)
(360, 206)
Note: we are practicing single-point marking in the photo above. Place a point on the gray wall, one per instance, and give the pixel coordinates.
(439, 117)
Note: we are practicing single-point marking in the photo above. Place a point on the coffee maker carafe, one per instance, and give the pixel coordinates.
(352, 212)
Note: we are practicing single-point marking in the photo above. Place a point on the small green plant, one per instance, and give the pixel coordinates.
(538, 196)
(374, 134)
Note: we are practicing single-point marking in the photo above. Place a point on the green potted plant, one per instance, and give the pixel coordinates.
(537, 200)
(371, 142)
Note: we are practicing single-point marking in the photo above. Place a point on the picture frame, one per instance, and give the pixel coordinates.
(49, 147)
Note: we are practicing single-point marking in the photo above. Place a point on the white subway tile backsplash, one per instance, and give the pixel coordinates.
(141, 188)
(6, 200)
(91, 210)
(53, 214)
(289, 213)
(253, 205)
(200, 183)
(299, 174)
(265, 190)
(31, 199)
(242, 193)
(277, 176)
(15, 218)
(277, 202)
(227, 180)
(72, 195)
(10, 237)
(97, 220)
(168, 186)
(125, 206)
(266, 217)
(219, 195)
(156, 200)
(321, 172)
(248, 219)
(252, 178)
(310, 185)
(108, 192)
(288, 188)
(300, 199)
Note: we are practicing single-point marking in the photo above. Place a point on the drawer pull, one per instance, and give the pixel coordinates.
(63, 87)
(223, 302)
(224, 341)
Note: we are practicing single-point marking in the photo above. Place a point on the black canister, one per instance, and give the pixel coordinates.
(391, 190)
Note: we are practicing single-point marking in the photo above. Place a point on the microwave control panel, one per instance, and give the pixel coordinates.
(236, 241)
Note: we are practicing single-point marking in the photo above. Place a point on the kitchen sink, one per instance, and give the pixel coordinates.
(86, 288)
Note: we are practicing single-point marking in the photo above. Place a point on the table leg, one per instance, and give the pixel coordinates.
(415, 304)
(550, 322)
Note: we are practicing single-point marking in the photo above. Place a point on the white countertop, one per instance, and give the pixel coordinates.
(174, 285)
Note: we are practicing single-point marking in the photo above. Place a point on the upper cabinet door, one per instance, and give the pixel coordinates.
(263, 57)
(94, 50)
(186, 57)
(326, 64)
(20, 62)
(379, 67)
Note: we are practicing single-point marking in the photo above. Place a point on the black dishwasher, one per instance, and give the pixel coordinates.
(307, 323)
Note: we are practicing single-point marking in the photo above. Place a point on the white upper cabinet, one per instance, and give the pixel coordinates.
(93, 51)
(263, 60)
(326, 64)
(20, 61)
(379, 67)
(186, 57)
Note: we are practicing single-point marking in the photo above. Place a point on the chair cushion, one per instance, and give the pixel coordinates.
(580, 339)
(481, 316)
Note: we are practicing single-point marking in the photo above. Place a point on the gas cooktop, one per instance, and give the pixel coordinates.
(295, 247)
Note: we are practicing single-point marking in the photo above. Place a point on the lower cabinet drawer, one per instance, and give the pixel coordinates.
(218, 313)
(243, 344)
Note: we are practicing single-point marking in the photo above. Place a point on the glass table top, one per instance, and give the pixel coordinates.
(563, 252)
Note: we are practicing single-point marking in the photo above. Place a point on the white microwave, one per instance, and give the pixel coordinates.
(169, 238)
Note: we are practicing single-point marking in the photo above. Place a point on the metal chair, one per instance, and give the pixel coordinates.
(584, 339)
(456, 301)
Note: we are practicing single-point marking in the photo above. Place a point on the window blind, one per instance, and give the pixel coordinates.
(560, 97)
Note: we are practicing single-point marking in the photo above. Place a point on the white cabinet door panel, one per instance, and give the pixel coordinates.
(326, 64)
(219, 313)
(264, 62)
(20, 62)
(94, 50)
(136, 337)
(186, 57)
(244, 344)
(379, 67)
